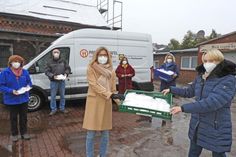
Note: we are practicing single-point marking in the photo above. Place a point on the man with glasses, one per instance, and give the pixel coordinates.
(57, 70)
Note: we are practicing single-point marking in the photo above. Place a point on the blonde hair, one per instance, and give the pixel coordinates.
(95, 55)
(172, 56)
(214, 54)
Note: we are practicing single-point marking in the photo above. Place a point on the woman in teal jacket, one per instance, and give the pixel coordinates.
(12, 79)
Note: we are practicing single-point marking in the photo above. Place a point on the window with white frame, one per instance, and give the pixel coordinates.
(156, 64)
(188, 62)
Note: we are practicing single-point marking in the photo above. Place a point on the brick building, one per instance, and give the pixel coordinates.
(226, 43)
(186, 61)
(27, 27)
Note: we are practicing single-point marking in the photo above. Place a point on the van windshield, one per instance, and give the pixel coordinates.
(39, 66)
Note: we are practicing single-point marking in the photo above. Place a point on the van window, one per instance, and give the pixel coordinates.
(42, 62)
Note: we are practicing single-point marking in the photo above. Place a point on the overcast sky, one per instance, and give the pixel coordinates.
(166, 19)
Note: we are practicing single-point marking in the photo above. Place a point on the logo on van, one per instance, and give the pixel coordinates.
(84, 53)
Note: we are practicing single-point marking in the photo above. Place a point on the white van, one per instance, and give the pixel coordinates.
(77, 49)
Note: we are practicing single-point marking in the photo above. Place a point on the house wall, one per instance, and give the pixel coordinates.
(229, 54)
(28, 36)
(38, 26)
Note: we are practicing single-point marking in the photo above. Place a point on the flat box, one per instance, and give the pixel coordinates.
(162, 76)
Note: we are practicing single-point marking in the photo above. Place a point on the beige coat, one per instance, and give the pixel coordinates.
(98, 111)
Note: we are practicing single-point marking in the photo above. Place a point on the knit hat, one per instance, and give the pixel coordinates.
(16, 58)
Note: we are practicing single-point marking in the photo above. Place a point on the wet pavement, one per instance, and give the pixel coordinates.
(132, 135)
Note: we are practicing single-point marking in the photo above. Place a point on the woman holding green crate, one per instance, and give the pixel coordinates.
(214, 88)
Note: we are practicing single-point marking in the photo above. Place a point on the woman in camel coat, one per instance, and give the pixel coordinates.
(98, 112)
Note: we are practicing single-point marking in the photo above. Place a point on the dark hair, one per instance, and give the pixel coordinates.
(122, 59)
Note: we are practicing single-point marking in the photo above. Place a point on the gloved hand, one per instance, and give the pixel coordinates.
(118, 96)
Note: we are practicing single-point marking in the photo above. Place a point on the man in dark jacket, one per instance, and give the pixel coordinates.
(57, 70)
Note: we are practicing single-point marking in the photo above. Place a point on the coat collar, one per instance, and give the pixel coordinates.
(226, 67)
(170, 64)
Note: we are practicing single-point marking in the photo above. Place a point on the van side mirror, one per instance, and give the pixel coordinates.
(32, 69)
(37, 69)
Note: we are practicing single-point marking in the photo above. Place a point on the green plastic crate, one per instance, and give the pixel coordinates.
(148, 112)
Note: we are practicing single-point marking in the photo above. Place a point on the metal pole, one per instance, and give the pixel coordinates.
(121, 15)
(107, 11)
(113, 14)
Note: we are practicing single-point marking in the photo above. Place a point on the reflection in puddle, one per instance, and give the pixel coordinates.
(75, 143)
(37, 124)
(5, 126)
(18, 149)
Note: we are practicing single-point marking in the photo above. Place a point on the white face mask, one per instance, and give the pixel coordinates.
(102, 60)
(169, 60)
(209, 67)
(124, 62)
(56, 55)
(15, 65)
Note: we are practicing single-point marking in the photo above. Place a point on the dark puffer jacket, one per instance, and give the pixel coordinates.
(57, 67)
(172, 67)
(210, 124)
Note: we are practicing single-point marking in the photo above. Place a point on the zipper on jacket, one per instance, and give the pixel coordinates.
(17, 80)
(125, 79)
(215, 121)
(202, 86)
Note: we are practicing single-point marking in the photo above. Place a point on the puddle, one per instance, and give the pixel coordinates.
(75, 143)
(65, 122)
(37, 124)
(5, 126)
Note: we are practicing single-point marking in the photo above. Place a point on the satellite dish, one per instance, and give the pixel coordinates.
(200, 34)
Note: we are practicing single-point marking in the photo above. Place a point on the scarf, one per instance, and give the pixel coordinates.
(105, 72)
(17, 72)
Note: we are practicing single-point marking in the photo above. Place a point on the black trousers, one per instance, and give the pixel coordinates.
(21, 110)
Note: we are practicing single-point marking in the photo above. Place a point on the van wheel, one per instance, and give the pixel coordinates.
(36, 100)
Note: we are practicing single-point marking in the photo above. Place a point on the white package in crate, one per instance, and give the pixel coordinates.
(147, 102)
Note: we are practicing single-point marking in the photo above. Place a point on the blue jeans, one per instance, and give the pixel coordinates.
(103, 143)
(195, 151)
(55, 86)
